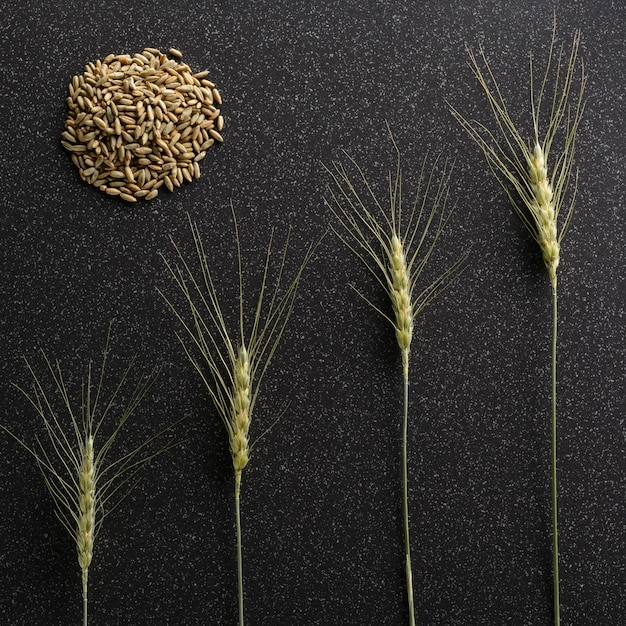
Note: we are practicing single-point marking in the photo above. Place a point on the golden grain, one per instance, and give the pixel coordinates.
(117, 109)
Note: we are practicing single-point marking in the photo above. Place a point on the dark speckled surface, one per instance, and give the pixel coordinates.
(321, 503)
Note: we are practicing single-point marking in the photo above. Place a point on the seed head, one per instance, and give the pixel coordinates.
(87, 503)
(544, 211)
(535, 188)
(394, 243)
(232, 365)
(240, 419)
(400, 293)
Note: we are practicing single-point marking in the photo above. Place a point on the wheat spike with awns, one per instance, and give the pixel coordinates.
(396, 247)
(73, 458)
(230, 364)
(535, 171)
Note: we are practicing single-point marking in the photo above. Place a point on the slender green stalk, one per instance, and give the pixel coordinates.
(555, 511)
(405, 491)
(85, 608)
(239, 555)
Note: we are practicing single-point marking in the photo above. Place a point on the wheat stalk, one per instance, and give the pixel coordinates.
(84, 485)
(232, 365)
(537, 191)
(396, 249)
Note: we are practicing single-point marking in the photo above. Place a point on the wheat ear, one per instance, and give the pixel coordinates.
(537, 192)
(400, 292)
(86, 525)
(83, 487)
(230, 364)
(396, 248)
(240, 413)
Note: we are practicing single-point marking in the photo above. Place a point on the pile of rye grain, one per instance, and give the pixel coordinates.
(138, 123)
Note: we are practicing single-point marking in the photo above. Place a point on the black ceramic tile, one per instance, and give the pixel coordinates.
(321, 512)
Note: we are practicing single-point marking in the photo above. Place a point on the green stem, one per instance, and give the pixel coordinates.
(85, 573)
(405, 490)
(555, 529)
(239, 557)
